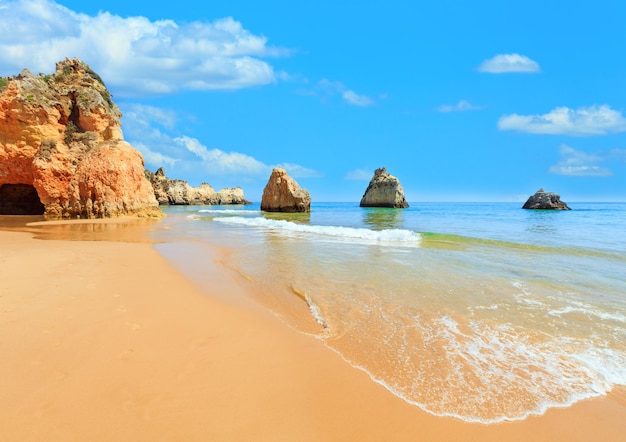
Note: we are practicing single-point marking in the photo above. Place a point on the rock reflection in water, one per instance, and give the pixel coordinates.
(381, 218)
(111, 229)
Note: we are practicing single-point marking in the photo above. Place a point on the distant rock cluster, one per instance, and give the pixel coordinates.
(178, 192)
(545, 201)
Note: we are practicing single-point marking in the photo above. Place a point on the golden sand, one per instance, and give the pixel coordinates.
(106, 341)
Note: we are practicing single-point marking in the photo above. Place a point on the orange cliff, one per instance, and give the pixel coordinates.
(62, 152)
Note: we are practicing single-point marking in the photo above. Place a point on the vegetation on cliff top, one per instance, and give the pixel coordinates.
(68, 73)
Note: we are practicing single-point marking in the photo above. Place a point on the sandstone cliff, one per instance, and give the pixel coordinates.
(283, 194)
(60, 135)
(546, 201)
(384, 190)
(178, 192)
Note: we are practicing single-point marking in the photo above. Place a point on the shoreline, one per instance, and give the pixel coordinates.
(107, 340)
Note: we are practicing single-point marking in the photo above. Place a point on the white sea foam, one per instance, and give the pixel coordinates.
(313, 308)
(558, 372)
(316, 312)
(525, 297)
(588, 311)
(230, 211)
(485, 307)
(401, 237)
(493, 364)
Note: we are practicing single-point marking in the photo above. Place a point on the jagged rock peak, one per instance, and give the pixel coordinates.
(545, 201)
(384, 190)
(60, 134)
(178, 192)
(283, 194)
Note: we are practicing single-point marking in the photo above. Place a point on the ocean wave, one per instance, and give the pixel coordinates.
(230, 211)
(313, 308)
(587, 310)
(485, 373)
(401, 237)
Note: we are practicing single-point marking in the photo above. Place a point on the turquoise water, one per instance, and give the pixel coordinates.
(480, 311)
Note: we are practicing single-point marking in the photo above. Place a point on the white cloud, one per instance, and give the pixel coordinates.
(352, 97)
(326, 88)
(593, 120)
(505, 63)
(146, 127)
(150, 129)
(291, 78)
(574, 162)
(330, 86)
(165, 118)
(297, 171)
(135, 56)
(151, 157)
(461, 106)
(359, 175)
(617, 154)
(220, 162)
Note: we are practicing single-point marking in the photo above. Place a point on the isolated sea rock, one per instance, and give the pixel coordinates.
(178, 192)
(384, 190)
(61, 142)
(546, 201)
(283, 194)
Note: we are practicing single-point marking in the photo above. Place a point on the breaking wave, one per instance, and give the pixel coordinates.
(400, 237)
(230, 211)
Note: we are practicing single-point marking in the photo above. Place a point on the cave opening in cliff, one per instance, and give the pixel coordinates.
(20, 199)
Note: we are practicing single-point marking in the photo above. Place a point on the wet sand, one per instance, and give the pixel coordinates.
(105, 340)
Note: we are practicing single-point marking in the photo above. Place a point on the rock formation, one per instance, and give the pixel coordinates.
(384, 190)
(283, 194)
(61, 143)
(178, 192)
(545, 200)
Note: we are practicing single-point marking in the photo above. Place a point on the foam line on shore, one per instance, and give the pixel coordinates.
(603, 377)
(230, 211)
(313, 308)
(400, 237)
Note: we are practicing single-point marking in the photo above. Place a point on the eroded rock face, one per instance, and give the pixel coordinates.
(545, 201)
(283, 194)
(178, 192)
(384, 190)
(61, 134)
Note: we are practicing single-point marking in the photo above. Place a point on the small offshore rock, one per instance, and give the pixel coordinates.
(384, 190)
(283, 194)
(543, 200)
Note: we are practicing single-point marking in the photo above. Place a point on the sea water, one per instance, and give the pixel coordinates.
(481, 311)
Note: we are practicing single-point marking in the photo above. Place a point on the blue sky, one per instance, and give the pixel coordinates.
(462, 101)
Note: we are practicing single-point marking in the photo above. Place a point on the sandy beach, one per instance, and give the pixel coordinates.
(105, 340)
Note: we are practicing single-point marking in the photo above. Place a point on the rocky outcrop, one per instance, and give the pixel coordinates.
(545, 201)
(283, 194)
(60, 135)
(178, 192)
(384, 190)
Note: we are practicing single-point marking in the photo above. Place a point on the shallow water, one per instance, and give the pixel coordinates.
(484, 312)
(116, 229)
